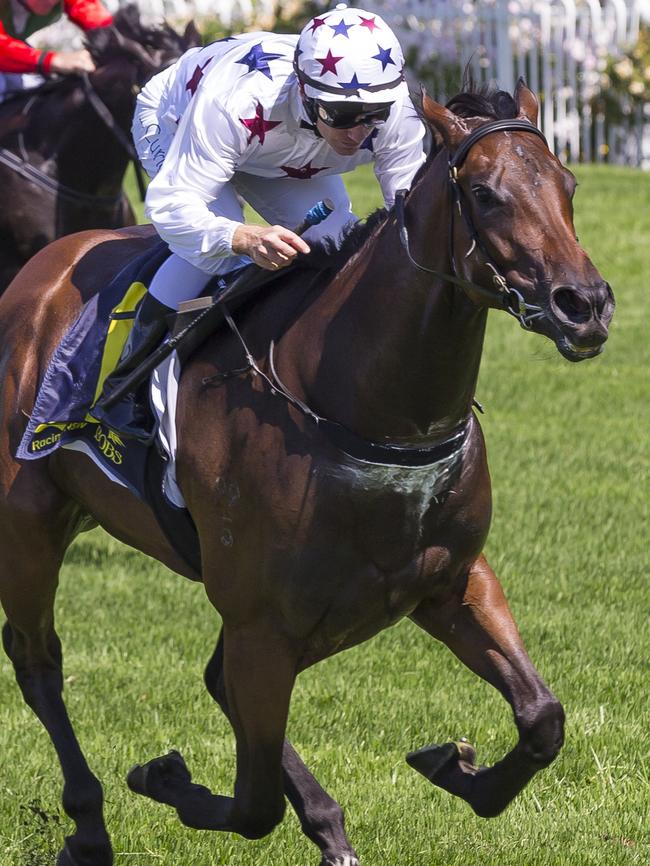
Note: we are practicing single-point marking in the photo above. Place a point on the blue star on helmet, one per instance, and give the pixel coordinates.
(354, 83)
(341, 29)
(384, 57)
(258, 60)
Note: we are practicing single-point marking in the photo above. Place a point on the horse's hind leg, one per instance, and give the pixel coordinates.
(320, 815)
(259, 673)
(479, 629)
(29, 565)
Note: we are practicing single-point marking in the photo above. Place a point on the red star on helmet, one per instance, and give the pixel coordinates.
(197, 75)
(257, 126)
(370, 23)
(328, 63)
(303, 173)
(316, 23)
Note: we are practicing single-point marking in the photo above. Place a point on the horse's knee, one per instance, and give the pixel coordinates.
(542, 733)
(261, 823)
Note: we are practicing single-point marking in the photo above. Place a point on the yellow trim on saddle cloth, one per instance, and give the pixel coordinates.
(118, 331)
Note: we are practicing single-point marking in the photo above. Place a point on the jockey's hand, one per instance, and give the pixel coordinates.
(270, 247)
(69, 62)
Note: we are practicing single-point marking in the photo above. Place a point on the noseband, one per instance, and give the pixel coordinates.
(510, 299)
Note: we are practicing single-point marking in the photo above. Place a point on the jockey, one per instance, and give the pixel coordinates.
(19, 19)
(274, 120)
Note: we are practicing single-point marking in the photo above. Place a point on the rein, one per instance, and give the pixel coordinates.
(364, 450)
(24, 168)
(104, 114)
(508, 298)
(30, 172)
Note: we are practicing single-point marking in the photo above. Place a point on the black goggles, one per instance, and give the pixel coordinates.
(348, 116)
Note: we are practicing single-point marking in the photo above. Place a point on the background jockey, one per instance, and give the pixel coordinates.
(275, 120)
(19, 19)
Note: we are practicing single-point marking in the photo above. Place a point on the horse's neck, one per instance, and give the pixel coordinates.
(400, 356)
(74, 144)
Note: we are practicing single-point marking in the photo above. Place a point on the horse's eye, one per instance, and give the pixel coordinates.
(483, 194)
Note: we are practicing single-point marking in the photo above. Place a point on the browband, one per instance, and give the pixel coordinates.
(510, 125)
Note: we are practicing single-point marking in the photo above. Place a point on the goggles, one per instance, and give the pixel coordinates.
(347, 116)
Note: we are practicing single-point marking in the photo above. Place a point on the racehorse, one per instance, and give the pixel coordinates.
(362, 489)
(65, 146)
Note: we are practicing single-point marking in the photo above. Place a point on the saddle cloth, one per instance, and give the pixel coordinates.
(73, 382)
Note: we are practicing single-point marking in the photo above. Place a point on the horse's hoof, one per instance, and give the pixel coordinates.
(158, 776)
(431, 760)
(346, 860)
(98, 857)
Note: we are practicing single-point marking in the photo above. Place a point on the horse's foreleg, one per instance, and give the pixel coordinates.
(478, 627)
(320, 815)
(259, 673)
(33, 646)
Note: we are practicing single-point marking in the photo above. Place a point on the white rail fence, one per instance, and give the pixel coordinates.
(559, 46)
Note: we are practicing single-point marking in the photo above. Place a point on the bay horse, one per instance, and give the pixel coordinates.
(339, 526)
(64, 147)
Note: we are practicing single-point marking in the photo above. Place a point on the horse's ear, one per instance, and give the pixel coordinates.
(526, 102)
(451, 128)
(191, 36)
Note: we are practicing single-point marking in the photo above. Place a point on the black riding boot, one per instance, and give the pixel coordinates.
(130, 415)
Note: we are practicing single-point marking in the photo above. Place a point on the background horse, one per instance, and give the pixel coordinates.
(62, 146)
(339, 528)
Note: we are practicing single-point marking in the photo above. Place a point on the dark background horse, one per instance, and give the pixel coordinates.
(61, 167)
(325, 549)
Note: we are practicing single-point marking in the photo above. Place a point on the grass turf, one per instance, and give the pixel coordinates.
(569, 463)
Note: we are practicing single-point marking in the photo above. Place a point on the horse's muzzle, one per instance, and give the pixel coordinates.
(582, 315)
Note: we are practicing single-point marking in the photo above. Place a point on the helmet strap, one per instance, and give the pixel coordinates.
(309, 104)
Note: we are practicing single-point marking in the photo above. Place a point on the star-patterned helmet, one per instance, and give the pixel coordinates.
(349, 54)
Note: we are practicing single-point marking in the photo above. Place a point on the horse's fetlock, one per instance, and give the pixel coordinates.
(328, 816)
(260, 825)
(85, 800)
(543, 737)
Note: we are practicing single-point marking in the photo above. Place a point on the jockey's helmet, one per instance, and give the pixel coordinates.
(350, 67)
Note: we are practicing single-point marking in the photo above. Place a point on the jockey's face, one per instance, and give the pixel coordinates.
(40, 7)
(345, 142)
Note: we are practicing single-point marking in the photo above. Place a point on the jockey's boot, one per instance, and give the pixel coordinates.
(131, 416)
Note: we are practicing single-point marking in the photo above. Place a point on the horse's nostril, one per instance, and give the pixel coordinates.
(572, 305)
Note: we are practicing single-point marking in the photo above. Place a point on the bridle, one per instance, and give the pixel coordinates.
(510, 299)
(22, 166)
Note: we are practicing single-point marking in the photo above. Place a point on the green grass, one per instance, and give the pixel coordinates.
(569, 463)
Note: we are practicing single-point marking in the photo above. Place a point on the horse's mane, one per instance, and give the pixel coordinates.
(105, 45)
(484, 100)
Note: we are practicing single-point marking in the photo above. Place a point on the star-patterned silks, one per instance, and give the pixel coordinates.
(197, 75)
(370, 23)
(341, 29)
(305, 173)
(258, 59)
(257, 126)
(328, 63)
(384, 57)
